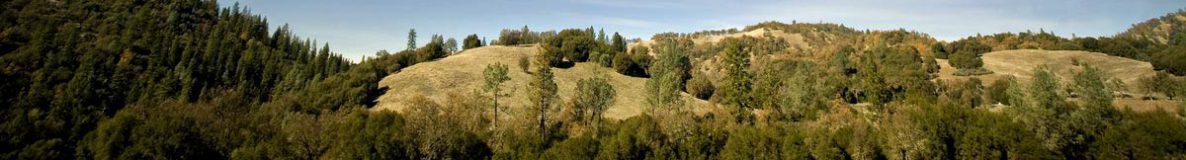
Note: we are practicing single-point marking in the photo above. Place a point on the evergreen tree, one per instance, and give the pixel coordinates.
(735, 88)
(411, 39)
(619, 43)
(601, 39)
(495, 75)
(543, 94)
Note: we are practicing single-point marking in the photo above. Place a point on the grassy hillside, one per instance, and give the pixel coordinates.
(1020, 64)
(462, 74)
(1065, 64)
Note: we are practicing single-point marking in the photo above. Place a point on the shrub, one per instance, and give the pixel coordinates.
(524, 64)
(700, 87)
(998, 91)
(634, 63)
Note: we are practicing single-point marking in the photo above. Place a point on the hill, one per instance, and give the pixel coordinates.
(1065, 64)
(462, 74)
(1020, 64)
(1160, 30)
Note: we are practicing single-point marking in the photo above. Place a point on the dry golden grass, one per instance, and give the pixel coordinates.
(1020, 64)
(462, 73)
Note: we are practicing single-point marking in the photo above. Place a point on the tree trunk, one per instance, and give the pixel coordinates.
(543, 131)
(494, 121)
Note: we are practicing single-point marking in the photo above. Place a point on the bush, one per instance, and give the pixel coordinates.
(524, 64)
(752, 143)
(700, 87)
(576, 148)
(634, 63)
(967, 53)
(998, 91)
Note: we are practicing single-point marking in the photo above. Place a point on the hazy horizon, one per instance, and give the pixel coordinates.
(357, 28)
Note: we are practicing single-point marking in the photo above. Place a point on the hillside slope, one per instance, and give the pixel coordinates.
(1020, 64)
(462, 74)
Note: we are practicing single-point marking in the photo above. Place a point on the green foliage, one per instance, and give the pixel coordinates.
(1170, 59)
(788, 87)
(575, 44)
(411, 39)
(966, 57)
(969, 92)
(634, 138)
(939, 51)
(885, 73)
(1162, 83)
(192, 80)
(998, 91)
(1044, 90)
(991, 135)
(550, 56)
(1091, 88)
(635, 63)
(594, 95)
(752, 143)
(154, 51)
(967, 63)
(931, 67)
(736, 86)
(517, 37)
(542, 94)
(618, 44)
(451, 46)
(471, 41)
(1143, 136)
(576, 148)
(700, 87)
(495, 75)
(524, 64)
(668, 74)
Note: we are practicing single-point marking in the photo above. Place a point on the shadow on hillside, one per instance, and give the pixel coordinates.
(565, 64)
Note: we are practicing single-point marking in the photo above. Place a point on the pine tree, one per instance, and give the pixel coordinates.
(495, 75)
(601, 39)
(619, 43)
(411, 39)
(543, 93)
(735, 88)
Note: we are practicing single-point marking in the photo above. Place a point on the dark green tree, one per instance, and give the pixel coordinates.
(735, 88)
(411, 39)
(471, 41)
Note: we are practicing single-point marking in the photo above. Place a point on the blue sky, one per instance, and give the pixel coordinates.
(356, 28)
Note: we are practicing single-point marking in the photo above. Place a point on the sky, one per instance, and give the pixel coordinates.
(357, 28)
